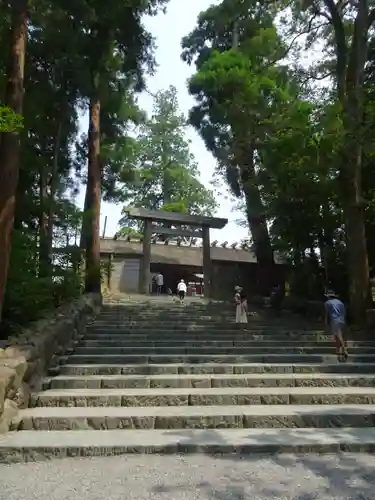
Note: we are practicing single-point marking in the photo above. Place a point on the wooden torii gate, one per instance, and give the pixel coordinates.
(201, 229)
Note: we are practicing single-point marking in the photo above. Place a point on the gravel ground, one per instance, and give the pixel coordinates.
(193, 477)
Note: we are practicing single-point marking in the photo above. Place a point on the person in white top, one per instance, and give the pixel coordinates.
(181, 289)
(159, 283)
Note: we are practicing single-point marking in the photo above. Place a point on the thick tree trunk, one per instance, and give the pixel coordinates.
(359, 287)
(326, 244)
(356, 243)
(166, 187)
(351, 169)
(83, 236)
(53, 185)
(44, 268)
(10, 145)
(92, 276)
(350, 67)
(258, 226)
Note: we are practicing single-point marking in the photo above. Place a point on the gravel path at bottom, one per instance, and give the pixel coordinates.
(192, 477)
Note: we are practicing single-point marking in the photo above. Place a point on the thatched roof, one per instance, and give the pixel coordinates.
(174, 254)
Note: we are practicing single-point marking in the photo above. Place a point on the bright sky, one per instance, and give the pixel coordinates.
(168, 30)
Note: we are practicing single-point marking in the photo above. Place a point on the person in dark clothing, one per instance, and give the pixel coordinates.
(276, 299)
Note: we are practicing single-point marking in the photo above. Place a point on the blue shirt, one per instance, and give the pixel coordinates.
(335, 310)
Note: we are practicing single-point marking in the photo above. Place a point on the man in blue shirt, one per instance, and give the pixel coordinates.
(335, 317)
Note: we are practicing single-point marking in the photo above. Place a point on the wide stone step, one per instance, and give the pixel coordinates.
(188, 313)
(184, 320)
(192, 316)
(182, 326)
(158, 302)
(171, 318)
(195, 417)
(207, 337)
(202, 396)
(232, 350)
(209, 380)
(177, 321)
(210, 358)
(30, 445)
(166, 306)
(211, 337)
(214, 368)
(220, 326)
(145, 342)
(177, 324)
(195, 312)
(151, 331)
(169, 325)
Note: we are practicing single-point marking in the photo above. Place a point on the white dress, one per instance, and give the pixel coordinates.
(241, 316)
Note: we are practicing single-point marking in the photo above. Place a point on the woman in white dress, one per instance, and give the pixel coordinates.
(241, 305)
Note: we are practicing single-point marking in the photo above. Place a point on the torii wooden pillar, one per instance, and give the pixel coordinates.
(207, 267)
(144, 275)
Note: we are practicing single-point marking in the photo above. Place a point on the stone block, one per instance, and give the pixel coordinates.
(24, 351)
(18, 365)
(7, 377)
(28, 354)
(155, 400)
(126, 423)
(10, 411)
(78, 383)
(21, 396)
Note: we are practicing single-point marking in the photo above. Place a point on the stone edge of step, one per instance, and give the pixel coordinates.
(191, 411)
(216, 376)
(31, 445)
(183, 391)
(220, 368)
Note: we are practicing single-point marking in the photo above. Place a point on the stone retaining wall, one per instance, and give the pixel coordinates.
(26, 357)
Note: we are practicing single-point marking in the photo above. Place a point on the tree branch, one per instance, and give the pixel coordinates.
(341, 46)
(371, 18)
(308, 77)
(308, 30)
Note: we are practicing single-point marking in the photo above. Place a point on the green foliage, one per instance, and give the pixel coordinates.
(29, 295)
(128, 232)
(75, 49)
(165, 174)
(282, 145)
(9, 121)
(288, 150)
(241, 99)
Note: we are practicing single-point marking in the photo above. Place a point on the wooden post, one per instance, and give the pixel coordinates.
(207, 271)
(109, 274)
(144, 278)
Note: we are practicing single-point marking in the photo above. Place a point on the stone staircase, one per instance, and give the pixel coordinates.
(158, 377)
